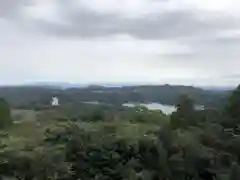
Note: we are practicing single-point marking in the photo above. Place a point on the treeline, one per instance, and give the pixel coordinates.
(139, 145)
(165, 94)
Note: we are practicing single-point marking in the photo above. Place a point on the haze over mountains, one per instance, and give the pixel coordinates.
(82, 85)
(40, 95)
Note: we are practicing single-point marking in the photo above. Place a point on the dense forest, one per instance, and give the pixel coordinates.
(78, 141)
(165, 94)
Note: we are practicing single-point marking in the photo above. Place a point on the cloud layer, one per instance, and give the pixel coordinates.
(153, 41)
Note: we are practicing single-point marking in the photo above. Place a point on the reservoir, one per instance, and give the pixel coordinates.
(167, 109)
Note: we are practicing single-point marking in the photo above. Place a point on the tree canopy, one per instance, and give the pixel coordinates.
(233, 106)
(112, 142)
(5, 113)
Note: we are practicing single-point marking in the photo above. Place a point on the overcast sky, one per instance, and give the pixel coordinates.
(193, 42)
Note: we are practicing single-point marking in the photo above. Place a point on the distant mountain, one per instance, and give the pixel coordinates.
(67, 85)
(42, 92)
(218, 88)
(61, 85)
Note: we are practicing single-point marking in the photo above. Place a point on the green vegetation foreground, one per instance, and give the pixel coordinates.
(135, 144)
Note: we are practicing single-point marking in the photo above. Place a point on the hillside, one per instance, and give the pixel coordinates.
(165, 94)
(110, 142)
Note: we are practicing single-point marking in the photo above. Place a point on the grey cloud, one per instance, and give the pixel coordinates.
(224, 41)
(162, 26)
(233, 76)
(9, 7)
(84, 23)
(204, 53)
(208, 49)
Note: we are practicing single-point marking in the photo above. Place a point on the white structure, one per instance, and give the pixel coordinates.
(55, 101)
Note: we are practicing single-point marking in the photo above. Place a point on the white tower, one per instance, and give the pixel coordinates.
(55, 101)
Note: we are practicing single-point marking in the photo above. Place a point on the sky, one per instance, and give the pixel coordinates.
(189, 42)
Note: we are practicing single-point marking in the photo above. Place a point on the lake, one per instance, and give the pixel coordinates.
(167, 109)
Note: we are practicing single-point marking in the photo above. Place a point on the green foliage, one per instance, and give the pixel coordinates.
(235, 172)
(38, 97)
(185, 114)
(5, 114)
(233, 106)
(106, 142)
(185, 104)
(143, 115)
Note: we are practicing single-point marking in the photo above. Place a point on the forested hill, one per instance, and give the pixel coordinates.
(111, 142)
(165, 94)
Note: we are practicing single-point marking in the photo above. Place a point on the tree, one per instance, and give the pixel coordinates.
(233, 107)
(184, 116)
(185, 104)
(235, 172)
(5, 114)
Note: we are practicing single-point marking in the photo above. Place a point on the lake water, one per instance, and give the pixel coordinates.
(167, 109)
